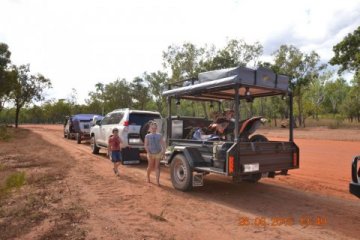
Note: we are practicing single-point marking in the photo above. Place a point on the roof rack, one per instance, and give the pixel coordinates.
(220, 84)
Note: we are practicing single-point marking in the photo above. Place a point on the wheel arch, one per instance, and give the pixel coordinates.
(185, 152)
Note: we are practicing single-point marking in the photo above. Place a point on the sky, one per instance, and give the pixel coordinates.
(78, 43)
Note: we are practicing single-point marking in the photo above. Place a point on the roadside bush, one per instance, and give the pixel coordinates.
(337, 123)
(4, 134)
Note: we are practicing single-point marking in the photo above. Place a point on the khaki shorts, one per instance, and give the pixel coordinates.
(156, 156)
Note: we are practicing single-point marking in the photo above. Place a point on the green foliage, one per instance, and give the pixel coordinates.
(27, 88)
(347, 53)
(139, 93)
(236, 53)
(157, 82)
(336, 92)
(6, 80)
(315, 90)
(15, 180)
(302, 68)
(350, 107)
(184, 61)
(4, 134)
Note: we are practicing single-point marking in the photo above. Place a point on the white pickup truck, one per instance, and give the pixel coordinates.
(133, 127)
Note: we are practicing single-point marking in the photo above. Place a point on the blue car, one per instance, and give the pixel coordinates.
(78, 126)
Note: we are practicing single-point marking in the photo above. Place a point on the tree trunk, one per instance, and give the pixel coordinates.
(261, 106)
(275, 121)
(17, 116)
(299, 107)
(205, 110)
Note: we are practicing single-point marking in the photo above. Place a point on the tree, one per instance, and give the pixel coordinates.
(336, 92)
(72, 97)
(139, 93)
(117, 95)
(100, 94)
(157, 82)
(27, 88)
(6, 79)
(315, 95)
(302, 69)
(351, 104)
(347, 53)
(236, 53)
(184, 61)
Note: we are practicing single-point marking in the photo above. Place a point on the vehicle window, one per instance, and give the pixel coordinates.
(115, 118)
(141, 118)
(106, 120)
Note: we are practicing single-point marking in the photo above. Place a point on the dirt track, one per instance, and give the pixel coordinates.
(129, 208)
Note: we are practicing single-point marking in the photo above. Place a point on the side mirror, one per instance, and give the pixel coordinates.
(98, 122)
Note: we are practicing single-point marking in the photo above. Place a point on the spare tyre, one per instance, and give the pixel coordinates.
(144, 130)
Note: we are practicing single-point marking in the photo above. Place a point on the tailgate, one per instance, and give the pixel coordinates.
(85, 126)
(254, 157)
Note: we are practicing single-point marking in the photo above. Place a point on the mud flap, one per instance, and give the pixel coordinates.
(198, 180)
(130, 156)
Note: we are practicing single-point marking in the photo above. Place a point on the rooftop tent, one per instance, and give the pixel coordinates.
(219, 84)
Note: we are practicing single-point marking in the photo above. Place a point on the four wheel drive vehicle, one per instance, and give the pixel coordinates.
(78, 126)
(355, 175)
(244, 159)
(133, 126)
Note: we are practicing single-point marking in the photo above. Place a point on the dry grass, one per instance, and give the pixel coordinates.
(33, 190)
(5, 134)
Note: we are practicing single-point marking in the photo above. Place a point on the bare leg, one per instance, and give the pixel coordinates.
(157, 170)
(117, 164)
(150, 167)
(116, 167)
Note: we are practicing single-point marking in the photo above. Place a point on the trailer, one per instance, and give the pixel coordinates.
(242, 155)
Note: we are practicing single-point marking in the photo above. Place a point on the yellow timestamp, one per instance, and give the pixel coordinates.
(305, 220)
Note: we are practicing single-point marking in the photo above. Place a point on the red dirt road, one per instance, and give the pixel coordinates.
(315, 197)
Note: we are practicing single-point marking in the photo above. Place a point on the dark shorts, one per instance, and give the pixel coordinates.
(115, 156)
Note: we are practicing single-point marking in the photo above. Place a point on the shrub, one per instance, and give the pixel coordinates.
(4, 135)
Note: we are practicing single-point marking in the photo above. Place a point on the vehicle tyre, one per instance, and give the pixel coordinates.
(68, 136)
(64, 135)
(258, 138)
(78, 138)
(253, 178)
(94, 149)
(181, 173)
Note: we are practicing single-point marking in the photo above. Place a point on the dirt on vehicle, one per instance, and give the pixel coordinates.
(71, 194)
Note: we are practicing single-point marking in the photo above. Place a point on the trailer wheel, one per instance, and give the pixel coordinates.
(94, 149)
(258, 138)
(78, 138)
(181, 173)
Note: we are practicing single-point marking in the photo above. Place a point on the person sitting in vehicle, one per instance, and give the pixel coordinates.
(218, 128)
